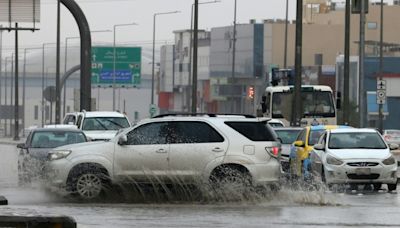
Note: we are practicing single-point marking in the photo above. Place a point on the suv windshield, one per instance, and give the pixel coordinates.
(104, 123)
(255, 131)
(52, 139)
(287, 136)
(355, 140)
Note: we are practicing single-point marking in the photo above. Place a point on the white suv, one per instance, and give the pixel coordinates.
(98, 125)
(186, 149)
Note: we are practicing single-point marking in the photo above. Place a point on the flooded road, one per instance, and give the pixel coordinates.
(287, 208)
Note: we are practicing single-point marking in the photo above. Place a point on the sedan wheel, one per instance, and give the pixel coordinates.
(89, 185)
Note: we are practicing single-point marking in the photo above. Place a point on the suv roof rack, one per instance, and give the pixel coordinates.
(203, 114)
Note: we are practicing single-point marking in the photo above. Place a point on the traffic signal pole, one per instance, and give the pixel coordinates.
(296, 100)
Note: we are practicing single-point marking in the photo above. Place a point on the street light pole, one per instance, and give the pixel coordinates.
(114, 59)
(153, 57)
(380, 126)
(23, 89)
(43, 106)
(286, 35)
(233, 53)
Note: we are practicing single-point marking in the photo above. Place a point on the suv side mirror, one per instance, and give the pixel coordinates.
(122, 140)
(21, 145)
(393, 146)
(299, 143)
(319, 147)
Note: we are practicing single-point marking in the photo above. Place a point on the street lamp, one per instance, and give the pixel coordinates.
(65, 62)
(154, 39)
(44, 44)
(190, 49)
(114, 58)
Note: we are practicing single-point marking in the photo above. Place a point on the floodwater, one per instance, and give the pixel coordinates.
(287, 208)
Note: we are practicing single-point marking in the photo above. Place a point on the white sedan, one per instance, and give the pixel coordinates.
(354, 156)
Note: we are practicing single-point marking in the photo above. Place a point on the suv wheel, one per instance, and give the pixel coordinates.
(231, 182)
(88, 183)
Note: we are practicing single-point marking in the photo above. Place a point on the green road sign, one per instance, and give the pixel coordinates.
(128, 62)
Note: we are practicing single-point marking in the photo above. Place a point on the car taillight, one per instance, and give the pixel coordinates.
(387, 137)
(273, 151)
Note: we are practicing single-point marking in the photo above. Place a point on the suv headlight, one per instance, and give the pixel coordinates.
(333, 161)
(58, 154)
(389, 161)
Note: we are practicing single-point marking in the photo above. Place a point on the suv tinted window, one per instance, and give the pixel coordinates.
(153, 133)
(193, 132)
(255, 131)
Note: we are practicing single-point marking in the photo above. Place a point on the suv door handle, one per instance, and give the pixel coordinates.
(161, 151)
(217, 149)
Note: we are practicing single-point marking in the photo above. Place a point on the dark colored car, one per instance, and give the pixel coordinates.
(33, 153)
(287, 135)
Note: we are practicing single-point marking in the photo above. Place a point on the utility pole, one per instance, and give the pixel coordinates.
(380, 125)
(296, 100)
(361, 92)
(58, 89)
(195, 47)
(346, 74)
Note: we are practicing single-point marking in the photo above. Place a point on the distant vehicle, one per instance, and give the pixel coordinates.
(287, 135)
(301, 148)
(275, 123)
(34, 152)
(227, 153)
(98, 125)
(318, 104)
(355, 156)
(392, 136)
(61, 126)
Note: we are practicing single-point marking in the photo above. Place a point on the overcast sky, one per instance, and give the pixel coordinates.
(103, 14)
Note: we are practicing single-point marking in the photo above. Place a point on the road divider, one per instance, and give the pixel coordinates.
(3, 200)
(37, 221)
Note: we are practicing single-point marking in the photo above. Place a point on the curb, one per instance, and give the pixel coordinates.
(3, 200)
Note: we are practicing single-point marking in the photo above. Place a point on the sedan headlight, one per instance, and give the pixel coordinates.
(389, 161)
(58, 154)
(333, 161)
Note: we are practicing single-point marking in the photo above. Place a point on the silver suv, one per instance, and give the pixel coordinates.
(202, 149)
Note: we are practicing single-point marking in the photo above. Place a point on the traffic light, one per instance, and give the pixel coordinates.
(250, 92)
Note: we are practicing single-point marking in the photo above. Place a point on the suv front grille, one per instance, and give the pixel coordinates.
(363, 177)
(363, 164)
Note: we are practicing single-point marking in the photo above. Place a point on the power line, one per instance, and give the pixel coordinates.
(88, 1)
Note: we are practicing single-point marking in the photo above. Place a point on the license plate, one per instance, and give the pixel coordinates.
(363, 171)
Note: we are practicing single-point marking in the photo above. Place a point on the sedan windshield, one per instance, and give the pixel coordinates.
(104, 123)
(52, 139)
(356, 140)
